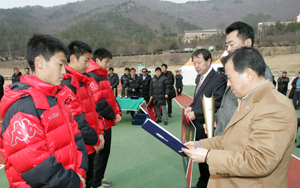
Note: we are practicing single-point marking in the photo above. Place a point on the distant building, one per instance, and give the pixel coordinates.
(268, 24)
(199, 34)
(297, 19)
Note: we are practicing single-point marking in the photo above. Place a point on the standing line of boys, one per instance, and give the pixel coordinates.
(60, 117)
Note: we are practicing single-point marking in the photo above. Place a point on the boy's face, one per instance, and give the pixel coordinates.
(158, 73)
(81, 64)
(111, 71)
(52, 72)
(104, 63)
(126, 72)
(177, 73)
(163, 69)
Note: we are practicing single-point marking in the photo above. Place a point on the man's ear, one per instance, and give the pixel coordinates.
(39, 62)
(250, 74)
(209, 61)
(73, 59)
(248, 42)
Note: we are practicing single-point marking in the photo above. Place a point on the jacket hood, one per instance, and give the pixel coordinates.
(94, 67)
(28, 85)
(80, 77)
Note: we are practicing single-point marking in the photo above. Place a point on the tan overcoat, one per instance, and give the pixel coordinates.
(256, 146)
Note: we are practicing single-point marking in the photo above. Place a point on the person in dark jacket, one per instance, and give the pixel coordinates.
(178, 80)
(283, 82)
(146, 79)
(160, 91)
(113, 79)
(170, 77)
(124, 78)
(1, 86)
(16, 76)
(133, 84)
(295, 92)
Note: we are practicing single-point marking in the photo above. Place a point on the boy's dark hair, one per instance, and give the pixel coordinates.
(101, 53)
(244, 58)
(205, 53)
(284, 72)
(78, 48)
(16, 68)
(26, 68)
(157, 68)
(111, 68)
(145, 69)
(245, 31)
(128, 69)
(164, 65)
(132, 69)
(44, 45)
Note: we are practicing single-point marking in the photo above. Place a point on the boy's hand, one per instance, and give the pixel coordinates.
(118, 119)
(102, 141)
(82, 179)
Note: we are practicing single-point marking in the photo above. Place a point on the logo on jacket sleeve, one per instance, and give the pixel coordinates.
(23, 130)
(94, 86)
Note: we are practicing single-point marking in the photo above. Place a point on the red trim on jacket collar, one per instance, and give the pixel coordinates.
(80, 77)
(39, 84)
(94, 67)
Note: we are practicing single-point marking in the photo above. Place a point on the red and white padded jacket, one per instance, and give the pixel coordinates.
(39, 140)
(79, 84)
(103, 91)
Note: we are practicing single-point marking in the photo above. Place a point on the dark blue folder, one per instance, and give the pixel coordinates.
(164, 136)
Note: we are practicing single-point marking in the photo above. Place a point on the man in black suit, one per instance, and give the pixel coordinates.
(145, 82)
(208, 82)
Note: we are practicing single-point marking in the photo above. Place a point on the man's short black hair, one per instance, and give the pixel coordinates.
(44, 45)
(78, 48)
(245, 31)
(128, 69)
(132, 69)
(145, 69)
(111, 68)
(157, 68)
(26, 68)
(284, 72)
(164, 65)
(205, 53)
(246, 57)
(16, 68)
(101, 53)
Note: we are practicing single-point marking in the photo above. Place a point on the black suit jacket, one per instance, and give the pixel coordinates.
(214, 84)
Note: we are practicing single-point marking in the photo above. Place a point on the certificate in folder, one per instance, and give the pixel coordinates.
(164, 136)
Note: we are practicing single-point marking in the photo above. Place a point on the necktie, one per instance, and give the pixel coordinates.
(199, 84)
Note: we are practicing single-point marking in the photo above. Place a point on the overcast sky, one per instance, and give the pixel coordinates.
(48, 3)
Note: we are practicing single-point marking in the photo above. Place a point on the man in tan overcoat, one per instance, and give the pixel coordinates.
(256, 146)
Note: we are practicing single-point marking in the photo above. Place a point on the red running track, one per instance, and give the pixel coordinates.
(294, 167)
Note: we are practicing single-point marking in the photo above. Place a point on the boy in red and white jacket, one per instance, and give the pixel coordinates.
(103, 93)
(83, 107)
(40, 140)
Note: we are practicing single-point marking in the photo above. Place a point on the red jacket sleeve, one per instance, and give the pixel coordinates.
(24, 144)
